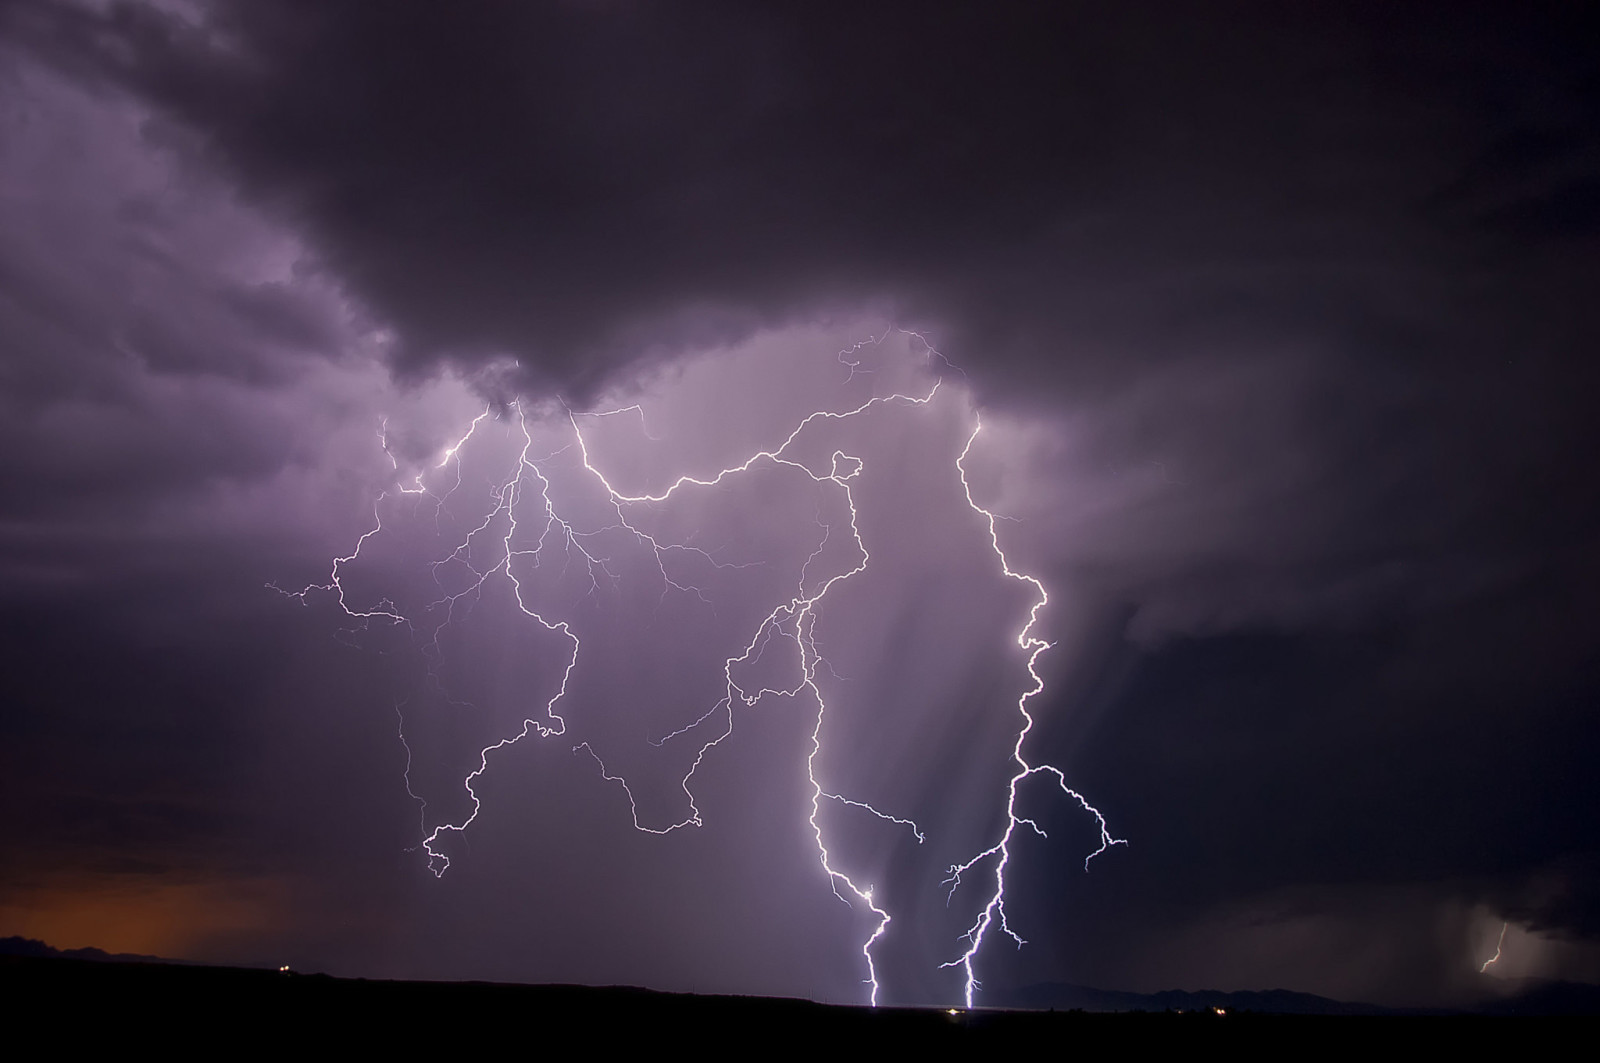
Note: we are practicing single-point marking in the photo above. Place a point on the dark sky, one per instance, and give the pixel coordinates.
(1281, 322)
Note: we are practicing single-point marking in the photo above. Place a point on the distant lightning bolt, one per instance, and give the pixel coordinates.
(521, 500)
(1497, 946)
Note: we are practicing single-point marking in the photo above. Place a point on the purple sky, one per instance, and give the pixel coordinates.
(1280, 327)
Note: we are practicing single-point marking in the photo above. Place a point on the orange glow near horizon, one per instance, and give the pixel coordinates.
(148, 915)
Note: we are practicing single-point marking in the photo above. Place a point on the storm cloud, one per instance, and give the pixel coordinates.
(1279, 319)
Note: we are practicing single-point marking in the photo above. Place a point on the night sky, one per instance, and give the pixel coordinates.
(1280, 321)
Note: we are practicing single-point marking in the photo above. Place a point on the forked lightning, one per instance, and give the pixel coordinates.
(522, 499)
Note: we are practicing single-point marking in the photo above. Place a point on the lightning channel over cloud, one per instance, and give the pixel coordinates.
(556, 506)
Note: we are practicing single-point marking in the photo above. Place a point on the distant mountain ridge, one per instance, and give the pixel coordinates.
(1063, 996)
(21, 946)
(1533, 997)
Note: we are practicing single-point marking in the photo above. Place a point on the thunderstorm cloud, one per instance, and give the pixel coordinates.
(1279, 322)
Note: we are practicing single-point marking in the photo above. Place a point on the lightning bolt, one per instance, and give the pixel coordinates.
(999, 854)
(1492, 960)
(793, 620)
(523, 524)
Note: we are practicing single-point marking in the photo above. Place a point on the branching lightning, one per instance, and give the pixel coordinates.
(525, 526)
(999, 854)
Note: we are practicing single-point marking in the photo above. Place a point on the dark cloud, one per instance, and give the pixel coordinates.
(552, 179)
(1071, 196)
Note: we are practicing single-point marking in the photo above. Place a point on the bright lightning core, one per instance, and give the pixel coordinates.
(771, 535)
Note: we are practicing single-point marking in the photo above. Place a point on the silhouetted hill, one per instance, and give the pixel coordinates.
(1547, 998)
(21, 946)
(223, 1007)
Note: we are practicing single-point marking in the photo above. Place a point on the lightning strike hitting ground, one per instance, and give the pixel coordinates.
(524, 527)
(1000, 852)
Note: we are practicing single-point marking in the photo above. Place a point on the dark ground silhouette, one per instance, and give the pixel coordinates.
(136, 998)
